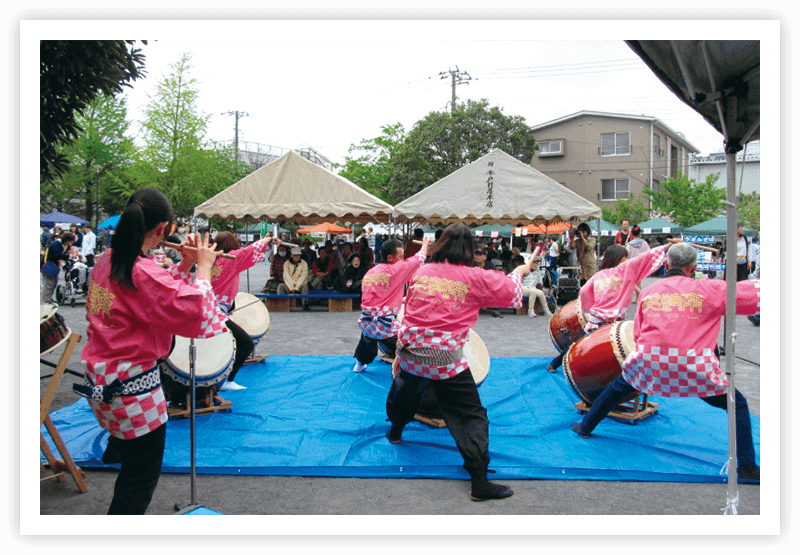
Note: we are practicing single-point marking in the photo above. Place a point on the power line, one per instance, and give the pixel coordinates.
(456, 78)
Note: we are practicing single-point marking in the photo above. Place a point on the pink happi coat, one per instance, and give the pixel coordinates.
(225, 272)
(442, 305)
(607, 296)
(382, 292)
(676, 328)
(129, 330)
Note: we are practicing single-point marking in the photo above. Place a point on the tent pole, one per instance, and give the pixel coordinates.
(730, 329)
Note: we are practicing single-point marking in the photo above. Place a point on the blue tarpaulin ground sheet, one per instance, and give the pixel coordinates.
(313, 416)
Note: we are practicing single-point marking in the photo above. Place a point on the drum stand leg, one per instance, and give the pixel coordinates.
(630, 411)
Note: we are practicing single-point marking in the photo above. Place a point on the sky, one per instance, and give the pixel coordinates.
(331, 84)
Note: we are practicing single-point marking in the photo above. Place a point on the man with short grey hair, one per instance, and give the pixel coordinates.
(675, 330)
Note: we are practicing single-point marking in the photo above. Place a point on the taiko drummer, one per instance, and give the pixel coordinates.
(675, 330)
(133, 309)
(225, 280)
(606, 297)
(442, 305)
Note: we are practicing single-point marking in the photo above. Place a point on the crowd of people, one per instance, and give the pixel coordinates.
(149, 292)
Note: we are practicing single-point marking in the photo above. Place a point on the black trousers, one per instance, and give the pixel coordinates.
(141, 468)
(367, 348)
(460, 407)
(244, 347)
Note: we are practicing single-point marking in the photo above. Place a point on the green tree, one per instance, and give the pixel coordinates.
(71, 75)
(442, 142)
(96, 157)
(173, 131)
(372, 169)
(750, 210)
(686, 202)
(631, 209)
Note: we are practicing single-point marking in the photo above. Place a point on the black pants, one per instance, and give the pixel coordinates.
(367, 348)
(461, 410)
(141, 468)
(244, 347)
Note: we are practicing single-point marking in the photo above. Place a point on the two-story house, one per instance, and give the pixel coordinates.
(605, 157)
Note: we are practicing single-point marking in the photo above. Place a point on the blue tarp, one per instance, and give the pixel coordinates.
(313, 416)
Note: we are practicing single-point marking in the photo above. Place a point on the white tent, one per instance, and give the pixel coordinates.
(496, 188)
(292, 188)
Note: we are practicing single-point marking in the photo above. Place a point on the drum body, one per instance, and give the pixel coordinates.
(251, 314)
(214, 363)
(567, 325)
(595, 360)
(53, 331)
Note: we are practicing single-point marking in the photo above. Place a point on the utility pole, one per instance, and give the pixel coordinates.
(456, 78)
(238, 115)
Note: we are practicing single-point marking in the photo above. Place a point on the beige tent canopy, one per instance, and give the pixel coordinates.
(496, 188)
(292, 188)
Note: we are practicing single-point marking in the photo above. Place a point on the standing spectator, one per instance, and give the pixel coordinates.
(57, 252)
(552, 259)
(89, 244)
(378, 242)
(412, 246)
(742, 254)
(584, 245)
(46, 237)
(623, 235)
(754, 254)
(73, 228)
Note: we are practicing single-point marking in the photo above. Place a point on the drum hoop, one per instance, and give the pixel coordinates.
(67, 334)
(616, 342)
(579, 313)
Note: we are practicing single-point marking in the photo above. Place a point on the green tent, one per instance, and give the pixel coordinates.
(657, 226)
(715, 226)
(604, 226)
(504, 230)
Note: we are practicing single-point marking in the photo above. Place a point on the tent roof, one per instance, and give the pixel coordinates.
(325, 227)
(715, 226)
(604, 226)
(60, 218)
(704, 73)
(292, 188)
(658, 225)
(504, 230)
(520, 194)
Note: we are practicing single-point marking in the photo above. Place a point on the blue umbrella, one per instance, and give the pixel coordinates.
(59, 217)
(109, 223)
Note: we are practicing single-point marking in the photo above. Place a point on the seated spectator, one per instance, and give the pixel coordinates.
(322, 271)
(295, 276)
(276, 270)
(533, 289)
(309, 254)
(353, 274)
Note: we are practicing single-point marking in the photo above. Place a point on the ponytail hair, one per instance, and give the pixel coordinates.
(146, 209)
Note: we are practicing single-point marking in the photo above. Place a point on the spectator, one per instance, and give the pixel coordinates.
(624, 235)
(309, 255)
(351, 278)
(481, 260)
(533, 289)
(73, 228)
(754, 255)
(584, 245)
(322, 271)
(89, 244)
(552, 259)
(367, 255)
(295, 276)
(276, 270)
(57, 252)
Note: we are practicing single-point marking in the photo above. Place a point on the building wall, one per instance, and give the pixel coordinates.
(748, 176)
(582, 168)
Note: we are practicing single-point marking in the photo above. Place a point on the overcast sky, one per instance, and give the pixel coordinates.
(333, 83)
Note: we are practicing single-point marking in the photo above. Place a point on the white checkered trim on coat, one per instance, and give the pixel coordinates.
(433, 372)
(128, 417)
(426, 337)
(375, 329)
(596, 318)
(178, 274)
(213, 318)
(671, 372)
(516, 302)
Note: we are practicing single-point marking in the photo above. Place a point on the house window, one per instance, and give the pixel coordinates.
(615, 144)
(614, 189)
(656, 185)
(551, 148)
(657, 145)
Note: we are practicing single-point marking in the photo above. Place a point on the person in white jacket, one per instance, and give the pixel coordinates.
(530, 290)
(89, 244)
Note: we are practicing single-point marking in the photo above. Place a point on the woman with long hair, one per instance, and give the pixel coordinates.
(442, 305)
(134, 308)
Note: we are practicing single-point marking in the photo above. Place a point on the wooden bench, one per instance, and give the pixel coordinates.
(337, 302)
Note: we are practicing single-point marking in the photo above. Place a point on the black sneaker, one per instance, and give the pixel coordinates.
(749, 474)
(578, 430)
(496, 314)
(395, 435)
(483, 491)
(551, 369)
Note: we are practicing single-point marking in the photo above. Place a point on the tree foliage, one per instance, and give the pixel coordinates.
(631, 209)
(71, 75)
(372, 169)
(685, 202)
(442, 142)
(750, 210)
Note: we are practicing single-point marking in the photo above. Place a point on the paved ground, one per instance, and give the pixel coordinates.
(322, 333)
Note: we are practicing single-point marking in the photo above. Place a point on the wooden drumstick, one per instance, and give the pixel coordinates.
(703, 247)
(177, 246)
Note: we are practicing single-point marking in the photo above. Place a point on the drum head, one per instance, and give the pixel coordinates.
(213, 363)
(251, 315)
(623, 340)
(53, 331)
(47, 311)
(477, 357)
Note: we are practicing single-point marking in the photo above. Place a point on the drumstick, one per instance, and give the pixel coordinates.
(703, 247)
(177, 246)
(417, 242)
